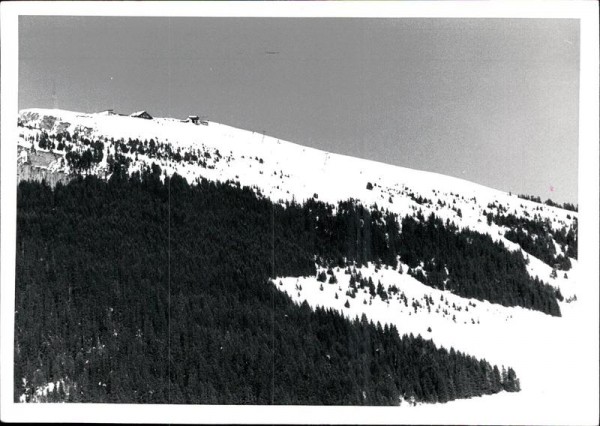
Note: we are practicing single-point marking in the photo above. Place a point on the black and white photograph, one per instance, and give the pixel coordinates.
(300, 212)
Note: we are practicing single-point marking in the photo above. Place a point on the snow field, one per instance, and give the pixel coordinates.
(542, 349)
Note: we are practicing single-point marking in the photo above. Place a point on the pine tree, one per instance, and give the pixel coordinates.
(372, 291)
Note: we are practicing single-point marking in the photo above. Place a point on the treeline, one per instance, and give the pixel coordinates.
(82, 153)
(439, 254)
(471, 265)
(567, 206)
(166, 152)
(138, 291)
(84, 160)
(537, 236)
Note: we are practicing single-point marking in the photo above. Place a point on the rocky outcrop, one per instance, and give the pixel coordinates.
(35, 173)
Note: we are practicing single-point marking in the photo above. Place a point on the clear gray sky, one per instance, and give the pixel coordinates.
(494, 101)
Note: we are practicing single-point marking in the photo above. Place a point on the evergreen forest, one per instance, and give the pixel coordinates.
(142, 290)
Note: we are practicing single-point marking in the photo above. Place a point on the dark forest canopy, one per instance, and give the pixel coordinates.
(438, 254)
(567, 206)
(477, 266)
(537, 237)
(137, 290)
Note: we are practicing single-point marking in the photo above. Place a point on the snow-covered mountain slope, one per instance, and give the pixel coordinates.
(55, 141)
(280, 170)
(542, 349)
(538, 346)
(288, 166)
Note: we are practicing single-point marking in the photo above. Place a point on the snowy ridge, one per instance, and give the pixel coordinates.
(286, 171)
(289, 170)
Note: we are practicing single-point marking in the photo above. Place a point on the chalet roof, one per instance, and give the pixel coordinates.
(140, 114)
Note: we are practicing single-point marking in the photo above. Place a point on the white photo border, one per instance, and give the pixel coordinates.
(585, 11)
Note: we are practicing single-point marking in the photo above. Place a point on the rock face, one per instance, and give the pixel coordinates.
(39, 166)
(38, 174)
